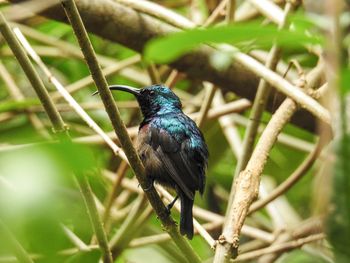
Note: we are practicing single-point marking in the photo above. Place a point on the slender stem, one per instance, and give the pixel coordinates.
(159, 11)
(123, 167)
(260, 70)
(279, 247)
(197, 226)
(247, 183)
(59, 128)
(95, 217)
(279, 83)
(33, 77)
(74, 238)
(259, 104)
(209, 95)
(229, 128)
(153, 74)
(244, 82)
(107, 71)
(214, 15)
(257, 110)
(160, 238)
(17, 94)
(72, 102)
(199, 212)
(172, 78)
(18, 250)
(290, 181)
(122, 237)
(230, 11)
(269, 9)
(120, 129)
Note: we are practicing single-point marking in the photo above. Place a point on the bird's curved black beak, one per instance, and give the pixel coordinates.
(129, 89)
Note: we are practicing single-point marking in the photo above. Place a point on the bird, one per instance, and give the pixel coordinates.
(171, 147)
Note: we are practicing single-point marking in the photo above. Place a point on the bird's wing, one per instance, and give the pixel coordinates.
(173, 156)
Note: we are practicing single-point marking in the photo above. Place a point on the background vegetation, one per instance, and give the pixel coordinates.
(217, 56)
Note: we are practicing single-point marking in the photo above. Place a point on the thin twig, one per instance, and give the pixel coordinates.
(123, 167)
(215, 14)
(247, 183)
(270, 10)
(279, 247)
(71, 50)
(270, 76)
(283, 138)
(197, 211)
(107, 71)
(153, 74)
(230, 11)
(256, 113)
(33, 77)
(249, 140)
(159, 12)
(17, 94)
(229, 128)
(59, 128)
(75, 239)
(17, 248)
(282, 85)
(159, 238)
(118, 241)
(95, 218)
(207, 237)
(290, 181)
(72, 102)
(208, 98)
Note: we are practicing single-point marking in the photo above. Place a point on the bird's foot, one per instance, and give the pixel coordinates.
(169, 206)
(149, 187)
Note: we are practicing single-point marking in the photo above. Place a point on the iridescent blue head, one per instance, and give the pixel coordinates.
(154, 100)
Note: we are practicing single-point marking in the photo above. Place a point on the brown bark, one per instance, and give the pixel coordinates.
(121, 24)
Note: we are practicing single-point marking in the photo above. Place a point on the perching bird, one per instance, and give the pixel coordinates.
(171, 147)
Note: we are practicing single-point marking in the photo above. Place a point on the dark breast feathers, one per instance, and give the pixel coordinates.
(172, 150)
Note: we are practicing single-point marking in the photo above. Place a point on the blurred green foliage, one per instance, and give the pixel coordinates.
(167, 49)
(38, 194)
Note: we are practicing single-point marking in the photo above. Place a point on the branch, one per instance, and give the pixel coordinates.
(279, 247)
(247, 183)
(18, 250)
(210, 90)
(17, 94)
(59, 129)
(33, 77)
(290, 181)
(105, 18)
(72, 102)
(120, 129)
(248, 143)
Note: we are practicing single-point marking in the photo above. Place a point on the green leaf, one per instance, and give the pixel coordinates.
(168, 48)
(12, 105)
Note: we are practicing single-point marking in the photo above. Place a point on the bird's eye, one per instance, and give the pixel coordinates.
(151, 92)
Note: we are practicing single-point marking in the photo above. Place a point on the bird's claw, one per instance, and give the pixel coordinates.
(169, 206)
(168, 209)
(149, 187)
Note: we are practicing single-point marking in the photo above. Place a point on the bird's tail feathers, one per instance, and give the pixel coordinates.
(186, 218)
